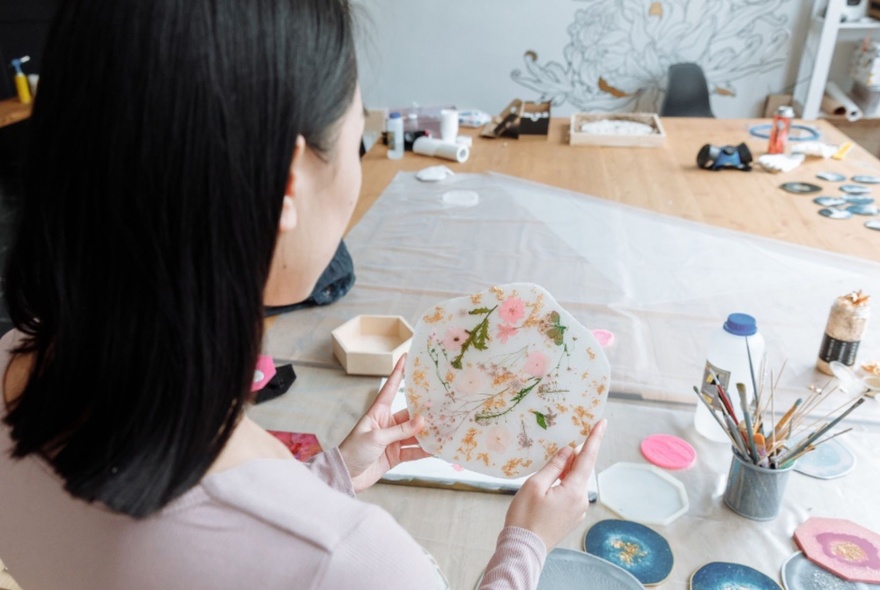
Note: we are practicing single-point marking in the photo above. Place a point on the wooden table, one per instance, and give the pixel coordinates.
(13, 111)
(459, 527)
(667, 179)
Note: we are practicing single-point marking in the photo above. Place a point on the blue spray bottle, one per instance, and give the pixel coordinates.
(21, 82)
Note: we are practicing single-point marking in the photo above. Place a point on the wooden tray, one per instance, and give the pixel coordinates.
(578, 137)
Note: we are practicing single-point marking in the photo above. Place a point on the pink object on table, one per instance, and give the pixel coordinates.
(263, 373)
(604, 337)
(668, 452)
(842, 547)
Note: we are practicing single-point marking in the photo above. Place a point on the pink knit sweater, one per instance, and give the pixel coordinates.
(269, 523)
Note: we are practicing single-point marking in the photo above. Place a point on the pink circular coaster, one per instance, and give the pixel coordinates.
(668, 452)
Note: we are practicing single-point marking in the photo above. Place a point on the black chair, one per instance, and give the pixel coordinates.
(687, 92)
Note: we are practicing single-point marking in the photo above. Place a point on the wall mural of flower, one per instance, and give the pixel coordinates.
(619, 50)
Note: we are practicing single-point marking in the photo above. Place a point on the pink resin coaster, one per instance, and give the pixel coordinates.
(842, 547)
(504, 378)
(668, 452)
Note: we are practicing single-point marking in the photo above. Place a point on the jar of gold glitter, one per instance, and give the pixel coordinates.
(843, 332)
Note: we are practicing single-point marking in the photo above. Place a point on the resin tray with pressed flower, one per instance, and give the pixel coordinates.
(504, 378)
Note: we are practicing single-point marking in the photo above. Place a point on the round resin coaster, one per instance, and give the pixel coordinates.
(720, 575)
(504, 378)
(639, 550)
(668, 452)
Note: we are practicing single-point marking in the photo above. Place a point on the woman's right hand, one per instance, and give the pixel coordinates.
(552, 511)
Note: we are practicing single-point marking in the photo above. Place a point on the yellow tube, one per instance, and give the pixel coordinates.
(21, 86)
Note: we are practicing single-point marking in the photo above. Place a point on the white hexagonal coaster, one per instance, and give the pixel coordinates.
(643, 493)
(504, 378)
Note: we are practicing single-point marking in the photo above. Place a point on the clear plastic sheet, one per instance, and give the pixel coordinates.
(662, 285)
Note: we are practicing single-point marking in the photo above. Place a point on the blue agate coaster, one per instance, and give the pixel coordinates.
(854, 189)
(827, 461)
(632, 546)
(826, 201)
(858, 199)
(720, 575)
(863, 209)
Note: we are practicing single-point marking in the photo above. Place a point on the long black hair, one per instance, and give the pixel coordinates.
(161, 142)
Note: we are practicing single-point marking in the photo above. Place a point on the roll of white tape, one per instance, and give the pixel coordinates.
(429, 146)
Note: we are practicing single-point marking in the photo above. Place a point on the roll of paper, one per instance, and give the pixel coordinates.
(429, 146)
(836, 102)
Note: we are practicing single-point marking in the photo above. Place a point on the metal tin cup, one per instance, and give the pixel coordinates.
(755, 492)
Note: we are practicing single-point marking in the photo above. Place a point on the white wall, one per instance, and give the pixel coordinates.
(471, 53)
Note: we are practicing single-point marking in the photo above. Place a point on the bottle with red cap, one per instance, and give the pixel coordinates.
(727, 361)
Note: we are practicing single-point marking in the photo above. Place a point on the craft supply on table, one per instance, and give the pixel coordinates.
(780, 130)
(504, 378)
(843, 331)
(873, 224)
(302, 445)
(21, 82)
(711, 157)
(394, 127)
(449, 150)
(566, 569)
(753, 491)
(434, 173)
(842, 547)
(831, 176)
(829, 461)
(643, 493)
(632, 546)
(815, 149)
(448, 125)
(780, 162)
(668, 452)
(799, 573)
(616, 129)
(866, 179)
(735, 351)
(804, 132)
(371, 344)
(835, 213)
(720, 575)
(855, 189)
(827, 201)
(800, 188)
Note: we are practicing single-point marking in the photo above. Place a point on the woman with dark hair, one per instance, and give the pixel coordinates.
(191, 161)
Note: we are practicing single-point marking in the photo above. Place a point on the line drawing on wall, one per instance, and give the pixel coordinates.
(620, 50)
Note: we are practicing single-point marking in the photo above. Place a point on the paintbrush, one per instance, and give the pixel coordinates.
(750, 436)
(785, 418)
(819, 432)
(726, 429)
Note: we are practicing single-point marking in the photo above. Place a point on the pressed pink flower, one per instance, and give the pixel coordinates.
(512, 310)
(498, 438)
(454, 338)
(505, 331)
(471, 381)
(537, 364)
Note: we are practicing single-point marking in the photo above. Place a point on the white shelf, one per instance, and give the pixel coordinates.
(822, 39)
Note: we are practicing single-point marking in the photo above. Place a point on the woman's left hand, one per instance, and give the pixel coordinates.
(382, 439)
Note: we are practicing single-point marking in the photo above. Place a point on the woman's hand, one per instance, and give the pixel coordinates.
(549, 511)
(381, 440)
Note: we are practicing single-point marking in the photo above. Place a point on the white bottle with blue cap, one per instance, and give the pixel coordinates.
(728, 360)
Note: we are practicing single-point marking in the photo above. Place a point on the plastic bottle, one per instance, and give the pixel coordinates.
(395, 136)
(728, 358)
(21, 83)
